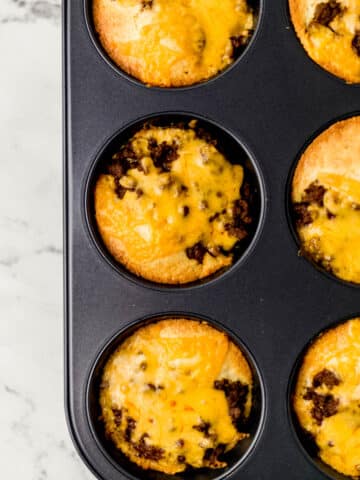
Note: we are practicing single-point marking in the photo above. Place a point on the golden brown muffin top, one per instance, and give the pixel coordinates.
(169, 205)
(326, 197)
(176, 393)
(327, 396)
(171, 44)
(330, 33)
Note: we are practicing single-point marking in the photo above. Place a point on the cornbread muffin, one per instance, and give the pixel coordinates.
(327, 396)
(326, 200)
(173, 44)
(330, 33)
(168, 205)
(176, 393)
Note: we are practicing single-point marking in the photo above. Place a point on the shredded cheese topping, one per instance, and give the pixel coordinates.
(162, 380)
(165, 211)
(334, 233)
(172, 43)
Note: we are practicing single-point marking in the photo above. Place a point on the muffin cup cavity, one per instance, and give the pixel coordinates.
(304, 439)
(234, 458)
(233, 149)
(256, 5)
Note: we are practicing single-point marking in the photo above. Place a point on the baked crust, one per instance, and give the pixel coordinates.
(166, 400)
(172, 46)
(178, 230)
(171, 269)
(330, 368)
(336, 150)
(331, 46)
(326, 194)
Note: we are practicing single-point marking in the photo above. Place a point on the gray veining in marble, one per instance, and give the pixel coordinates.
(25, 11)
(34, 442)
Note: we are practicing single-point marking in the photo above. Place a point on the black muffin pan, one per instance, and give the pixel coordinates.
(271, 302)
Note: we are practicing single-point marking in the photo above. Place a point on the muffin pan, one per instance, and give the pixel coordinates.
(272, 101)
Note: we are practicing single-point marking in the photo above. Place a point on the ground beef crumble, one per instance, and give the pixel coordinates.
(246, 191)
(241, 218)
(196, 252)
(356, 43)
(211, 454)
(236, 395)
(326, 12)
(203, 427)
(116, 169)
(119, 189)
(130, 427)
(314, 194)
(163, 154)
(203, 134)
(120, 163)
(323, 405)
(149, 452)
(325, 377)
(147, 4)
(302, 215)
(126, 157)
(155, 388)
(240, 212)
(117, 416)
(238, 232)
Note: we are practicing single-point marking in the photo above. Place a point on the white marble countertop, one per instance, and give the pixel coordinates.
(34, 442)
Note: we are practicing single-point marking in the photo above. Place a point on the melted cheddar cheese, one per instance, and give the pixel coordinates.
(333, 237)
(158, 397)
(173, 43)
(338, 434)
(330, 38)
(165, 213)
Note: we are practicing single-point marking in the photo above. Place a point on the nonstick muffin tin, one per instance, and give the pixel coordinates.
(271, 102)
